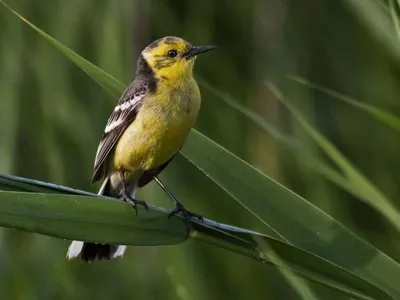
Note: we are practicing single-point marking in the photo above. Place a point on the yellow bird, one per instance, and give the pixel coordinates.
(146, 129)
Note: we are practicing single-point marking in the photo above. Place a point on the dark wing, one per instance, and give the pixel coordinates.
(150, 174)
(122, 116)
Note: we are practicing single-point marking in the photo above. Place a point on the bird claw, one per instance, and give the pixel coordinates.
(125, 196)
(179, 208)
(134, 202)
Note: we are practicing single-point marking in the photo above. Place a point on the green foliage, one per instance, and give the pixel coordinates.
(58, 134)
(88, 219)
(76, 215)
(361, 185)
(381, 115)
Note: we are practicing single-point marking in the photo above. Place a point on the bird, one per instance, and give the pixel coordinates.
(145, 131)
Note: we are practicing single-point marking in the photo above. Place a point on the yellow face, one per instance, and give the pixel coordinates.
(172, 58)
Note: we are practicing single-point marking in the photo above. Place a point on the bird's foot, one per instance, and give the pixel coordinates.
(179, 208)
(134, 202)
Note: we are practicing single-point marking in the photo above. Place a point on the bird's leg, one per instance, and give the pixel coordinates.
(127, 197)
(179, 208)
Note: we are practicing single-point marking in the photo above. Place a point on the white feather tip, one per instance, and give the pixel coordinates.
(74, 249)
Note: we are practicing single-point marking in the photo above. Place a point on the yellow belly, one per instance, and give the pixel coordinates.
(159, 130)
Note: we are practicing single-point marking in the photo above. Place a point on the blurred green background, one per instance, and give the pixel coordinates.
(52, 116)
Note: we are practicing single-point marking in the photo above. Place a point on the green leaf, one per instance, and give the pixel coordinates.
(109, 83)
(375, 14)
(20, 184)
(395, 17)
(356, 179)
(294, 147)
(291, 144)
(381, 115)
(89, 219)
(79, 215)
(300, 285)
(292, 260)
(315, 271)
(291, 217)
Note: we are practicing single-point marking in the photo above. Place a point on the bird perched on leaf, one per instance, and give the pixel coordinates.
(146, 129)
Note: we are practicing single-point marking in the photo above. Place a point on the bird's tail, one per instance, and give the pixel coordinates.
(91, 251)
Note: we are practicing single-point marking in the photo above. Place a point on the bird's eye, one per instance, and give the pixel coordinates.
(172, 53)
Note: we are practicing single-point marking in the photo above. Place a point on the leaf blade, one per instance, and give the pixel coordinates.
(376, 17)
(381, 115)
(100, 219)
(87, 218)
(290, 216)
(357, 180)
(312, 241)
(108, 82)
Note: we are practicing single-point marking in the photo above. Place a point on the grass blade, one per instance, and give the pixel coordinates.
(100, 219)
(293, 218)
(395, 17)
(300, 285)
(376, 16)
(290, 216)
(291, 144)
(381, 115)
(87, 218)
(365, 188)
(270, 251)
(112, 85)
(20, 184)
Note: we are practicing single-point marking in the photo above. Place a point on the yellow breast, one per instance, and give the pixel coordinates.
(160, 128)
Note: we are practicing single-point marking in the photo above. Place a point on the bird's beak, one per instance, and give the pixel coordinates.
(195, 50)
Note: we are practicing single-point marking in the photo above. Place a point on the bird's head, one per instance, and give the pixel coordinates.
(171, 59)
